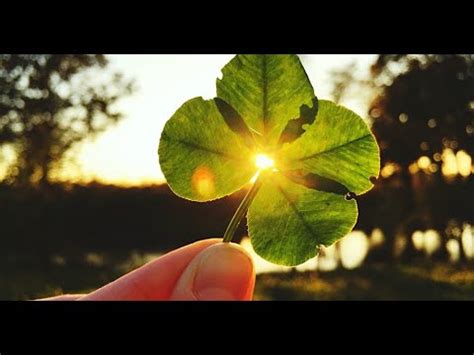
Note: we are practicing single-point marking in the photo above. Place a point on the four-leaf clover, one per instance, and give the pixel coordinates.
(307, 158)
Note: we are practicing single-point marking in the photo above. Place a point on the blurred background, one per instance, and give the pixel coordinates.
(83, 200)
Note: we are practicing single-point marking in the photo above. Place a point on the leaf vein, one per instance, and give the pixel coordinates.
(333, 148)
(200, 147)
(297, 212)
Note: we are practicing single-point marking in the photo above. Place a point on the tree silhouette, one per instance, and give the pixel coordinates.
(425, 105)
(342, 80)
(49, 103)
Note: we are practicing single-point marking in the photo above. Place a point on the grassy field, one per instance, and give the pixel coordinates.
(420, 281)
(424, 281)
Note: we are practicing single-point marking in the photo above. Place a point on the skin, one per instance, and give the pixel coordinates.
(205, 270)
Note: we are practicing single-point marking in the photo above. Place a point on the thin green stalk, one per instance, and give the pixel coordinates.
(240, 213)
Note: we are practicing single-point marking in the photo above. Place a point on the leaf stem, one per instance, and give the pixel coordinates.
(241, 210)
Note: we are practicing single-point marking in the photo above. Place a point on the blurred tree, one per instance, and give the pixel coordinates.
(424, 105)
(342, 80)
(49, 103)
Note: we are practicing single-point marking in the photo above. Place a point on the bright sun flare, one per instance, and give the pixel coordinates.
(264, 161)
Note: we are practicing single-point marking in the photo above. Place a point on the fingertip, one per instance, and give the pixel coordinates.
(224, 271)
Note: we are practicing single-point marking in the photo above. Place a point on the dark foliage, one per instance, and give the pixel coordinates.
(427, 107)
(77, 219)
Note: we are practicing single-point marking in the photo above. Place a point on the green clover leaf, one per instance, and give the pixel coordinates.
(307, 158)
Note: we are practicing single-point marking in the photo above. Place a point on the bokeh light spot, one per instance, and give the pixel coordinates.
(203, 181)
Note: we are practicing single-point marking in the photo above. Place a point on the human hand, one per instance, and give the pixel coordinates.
(205, 270)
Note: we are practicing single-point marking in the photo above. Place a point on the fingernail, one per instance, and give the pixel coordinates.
(225, 272)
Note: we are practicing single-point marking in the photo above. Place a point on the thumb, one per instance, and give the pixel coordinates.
(222, 271)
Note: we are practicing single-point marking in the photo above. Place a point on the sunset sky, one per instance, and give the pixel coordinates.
(127, 153)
